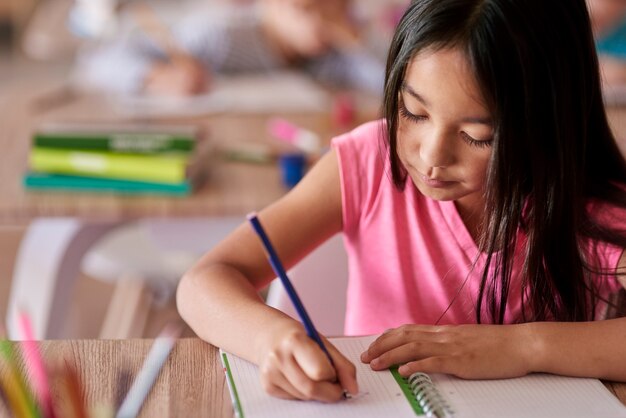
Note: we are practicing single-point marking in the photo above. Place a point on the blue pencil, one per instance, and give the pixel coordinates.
(291, 291)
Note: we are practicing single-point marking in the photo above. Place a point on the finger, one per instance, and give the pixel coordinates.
(346, 372)
(277, 384)
(397, 337)
(435, 364)
(324, 391)
(279, 392)
(411, 351)
(283, 383)
(314, 362)
(385, 342)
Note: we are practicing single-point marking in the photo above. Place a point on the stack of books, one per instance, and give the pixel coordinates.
(129, 159)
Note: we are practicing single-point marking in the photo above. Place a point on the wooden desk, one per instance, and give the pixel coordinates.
(191, 384)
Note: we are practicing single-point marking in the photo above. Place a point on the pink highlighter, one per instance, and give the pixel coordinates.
(286, 131)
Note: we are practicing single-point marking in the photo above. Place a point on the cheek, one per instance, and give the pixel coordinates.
(477, 167)
(407, 136)
(404, 143)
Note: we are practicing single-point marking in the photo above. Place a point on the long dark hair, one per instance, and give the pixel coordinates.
(553, 154)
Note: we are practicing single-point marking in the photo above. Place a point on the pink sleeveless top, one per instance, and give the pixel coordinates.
(410, 257)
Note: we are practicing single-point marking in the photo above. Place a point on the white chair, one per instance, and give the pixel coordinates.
(145, 260)
(321, 281)
(152, 254)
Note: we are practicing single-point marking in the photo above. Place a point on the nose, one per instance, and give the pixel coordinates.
(436, 149)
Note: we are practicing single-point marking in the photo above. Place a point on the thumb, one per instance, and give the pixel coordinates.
(346, 371)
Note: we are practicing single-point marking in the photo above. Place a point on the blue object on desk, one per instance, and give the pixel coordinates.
(292, 168)
(278, 268)
(614, 42)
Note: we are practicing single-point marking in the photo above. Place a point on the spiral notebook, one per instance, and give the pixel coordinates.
(386, 394)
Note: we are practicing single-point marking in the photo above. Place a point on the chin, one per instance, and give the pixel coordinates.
(438, 194)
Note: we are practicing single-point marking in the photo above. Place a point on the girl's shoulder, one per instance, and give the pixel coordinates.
(362, 159)
(363, 152)
(365, 140)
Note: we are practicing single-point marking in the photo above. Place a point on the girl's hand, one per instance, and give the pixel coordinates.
(181, 76)
(295, 367)
(466, 351)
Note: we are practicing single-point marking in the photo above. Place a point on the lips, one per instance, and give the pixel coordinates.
(434, 182)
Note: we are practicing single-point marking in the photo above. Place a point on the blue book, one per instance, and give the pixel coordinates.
(60, 182)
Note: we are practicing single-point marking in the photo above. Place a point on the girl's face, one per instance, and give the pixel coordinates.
(445, 131)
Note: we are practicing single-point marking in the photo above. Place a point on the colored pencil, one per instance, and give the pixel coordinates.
(149, 372)
(278, 268)
(18, 396)
(35, 366)
(73, 392)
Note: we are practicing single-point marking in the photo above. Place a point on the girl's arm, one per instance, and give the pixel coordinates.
(587, 349)
(218, 297)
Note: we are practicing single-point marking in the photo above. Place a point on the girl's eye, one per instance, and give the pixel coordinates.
(404, 112)
(476, 143)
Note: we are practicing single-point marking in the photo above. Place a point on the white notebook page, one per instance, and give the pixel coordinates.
(536, 395)
(379, 394)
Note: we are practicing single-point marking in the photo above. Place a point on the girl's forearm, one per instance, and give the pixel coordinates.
(586, 349)
(223, 308)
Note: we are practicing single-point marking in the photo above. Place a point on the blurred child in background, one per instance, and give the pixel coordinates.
(608, 18)
(317, 36)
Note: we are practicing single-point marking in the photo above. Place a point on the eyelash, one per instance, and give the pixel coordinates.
(410, 116)
(468, 139)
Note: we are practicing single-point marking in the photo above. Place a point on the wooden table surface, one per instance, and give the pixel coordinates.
(191, 384)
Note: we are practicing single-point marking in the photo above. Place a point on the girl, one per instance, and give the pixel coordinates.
(483, 217)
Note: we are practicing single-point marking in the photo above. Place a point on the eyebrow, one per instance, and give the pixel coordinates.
(422, 100)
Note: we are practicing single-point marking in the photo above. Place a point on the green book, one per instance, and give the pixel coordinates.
(155, 168)
(136, 138)
(60, 182)
(386, 394)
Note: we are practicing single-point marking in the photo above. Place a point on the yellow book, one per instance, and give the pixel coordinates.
(154, 168)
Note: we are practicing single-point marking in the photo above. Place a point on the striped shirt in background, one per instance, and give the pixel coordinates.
(227, 42)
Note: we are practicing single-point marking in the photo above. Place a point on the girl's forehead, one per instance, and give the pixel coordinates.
(441, 75)
(453, 58)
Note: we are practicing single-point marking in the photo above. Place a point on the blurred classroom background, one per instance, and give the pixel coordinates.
(40, 41)
(16, 67)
